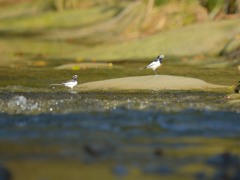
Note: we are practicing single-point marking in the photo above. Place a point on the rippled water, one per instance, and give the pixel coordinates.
(159, 133)
(137, 135)
(122, 120)
(49, 101)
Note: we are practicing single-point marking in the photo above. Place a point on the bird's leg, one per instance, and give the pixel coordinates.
(70, 90)
(155, 73)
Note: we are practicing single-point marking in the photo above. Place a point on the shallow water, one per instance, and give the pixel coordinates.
(132, 135)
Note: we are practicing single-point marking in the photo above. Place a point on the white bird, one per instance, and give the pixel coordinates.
(155, 64)
(71, 83)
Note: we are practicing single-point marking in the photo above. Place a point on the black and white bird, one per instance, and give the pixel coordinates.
(155, 64)
(71, 83)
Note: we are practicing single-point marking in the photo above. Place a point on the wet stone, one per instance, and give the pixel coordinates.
(97, 150)
(225, 159)
(5, 174)
(158, 152)
(227, 166)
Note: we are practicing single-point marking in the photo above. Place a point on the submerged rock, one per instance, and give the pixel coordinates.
(98, 149)
(5, 174)
(226, 164)
(158, 152)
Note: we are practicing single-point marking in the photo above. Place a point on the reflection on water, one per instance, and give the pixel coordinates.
(157, 134)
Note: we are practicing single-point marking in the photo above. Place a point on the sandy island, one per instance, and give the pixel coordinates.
(159, 82)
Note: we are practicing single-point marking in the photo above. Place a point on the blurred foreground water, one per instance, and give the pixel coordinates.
(134, 135)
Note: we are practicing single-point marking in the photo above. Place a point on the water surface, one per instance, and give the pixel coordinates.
(53, 133)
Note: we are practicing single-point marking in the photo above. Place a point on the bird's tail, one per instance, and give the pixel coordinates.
(55, 84)
(142, 68)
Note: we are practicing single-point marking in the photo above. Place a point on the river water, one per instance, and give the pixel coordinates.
(52, 133)
(156, 134)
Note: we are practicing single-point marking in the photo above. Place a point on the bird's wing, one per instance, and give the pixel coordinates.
(70, 81)
(152, 64)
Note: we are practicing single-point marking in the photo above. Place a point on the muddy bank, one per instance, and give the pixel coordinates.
(159, 82)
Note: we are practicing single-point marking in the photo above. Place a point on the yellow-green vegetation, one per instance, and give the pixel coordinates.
(206, 38)
(110, 30)
(143, 16)
(43, 22)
